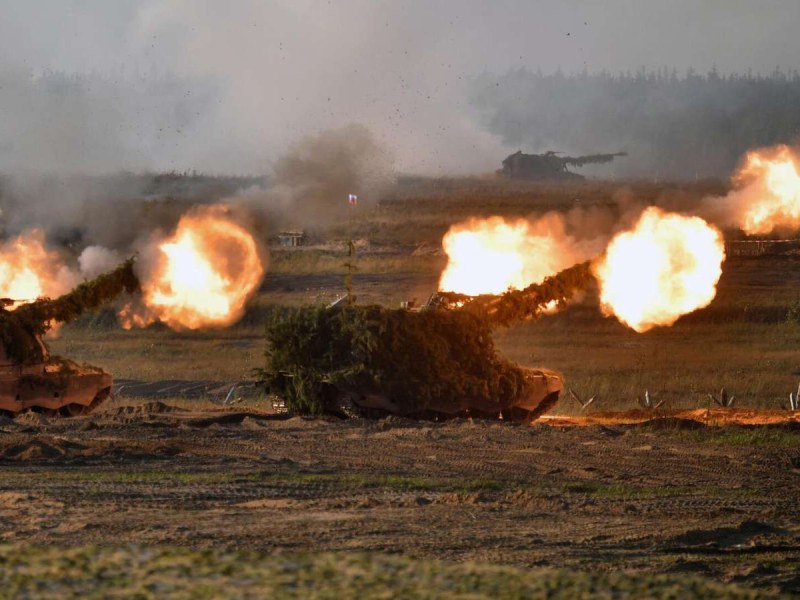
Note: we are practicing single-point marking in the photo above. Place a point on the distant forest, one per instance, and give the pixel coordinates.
(674, 126)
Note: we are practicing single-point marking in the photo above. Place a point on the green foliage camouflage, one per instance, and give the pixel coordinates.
(21, 329)
(418, 360)
(516, 306)
(415, 359)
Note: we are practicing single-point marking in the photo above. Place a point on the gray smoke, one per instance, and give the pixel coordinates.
(182, 84)
(91, 87)
(673, 126)
(312, 183)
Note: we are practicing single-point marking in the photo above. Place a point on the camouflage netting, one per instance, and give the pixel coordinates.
(415, 359)
(418, 360)
(20, 328)
(520, 305)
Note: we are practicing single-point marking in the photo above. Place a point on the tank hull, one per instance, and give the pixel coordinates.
(544, 390)
(57, 386)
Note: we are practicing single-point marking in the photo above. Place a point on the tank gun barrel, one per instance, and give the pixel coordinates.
(89, 295)
(519, 305)
(579, 161)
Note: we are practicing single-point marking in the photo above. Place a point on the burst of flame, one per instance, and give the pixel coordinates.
(201, 276)
(769, 190)
(491, 256)
(666, 266)
(28, 270)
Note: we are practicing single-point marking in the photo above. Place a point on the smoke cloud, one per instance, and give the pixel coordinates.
(312, 182)
(182, 84)
(673, 127)
(327, 99)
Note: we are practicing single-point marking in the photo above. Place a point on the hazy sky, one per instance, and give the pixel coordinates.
(255, 76)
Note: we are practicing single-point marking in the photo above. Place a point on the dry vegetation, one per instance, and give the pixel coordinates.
(92, 572)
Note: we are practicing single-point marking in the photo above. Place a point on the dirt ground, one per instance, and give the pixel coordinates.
(669, 496)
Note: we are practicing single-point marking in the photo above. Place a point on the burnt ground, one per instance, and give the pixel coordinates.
(667, 497)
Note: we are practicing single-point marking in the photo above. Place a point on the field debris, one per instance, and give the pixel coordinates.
(648, 403)
(723, 400)
(794, 401)
(579, 400)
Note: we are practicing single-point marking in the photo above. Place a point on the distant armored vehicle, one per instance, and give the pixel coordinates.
(550, 165)
(31, 379)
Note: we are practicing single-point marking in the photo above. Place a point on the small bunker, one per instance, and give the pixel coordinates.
(292, 239)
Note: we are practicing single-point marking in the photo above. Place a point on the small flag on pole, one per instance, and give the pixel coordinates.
(352, 199)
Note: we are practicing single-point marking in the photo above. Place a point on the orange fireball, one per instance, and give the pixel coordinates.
(768, 196)
(491, 256)
(666, 266)
(200, 276)
(28, 270)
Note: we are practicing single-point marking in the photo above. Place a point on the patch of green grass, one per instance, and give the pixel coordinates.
(147, 572)
(755, 436)
(395, 482)
(619, 490)
(346, 480)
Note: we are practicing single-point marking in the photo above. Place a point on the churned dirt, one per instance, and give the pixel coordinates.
(674, 495)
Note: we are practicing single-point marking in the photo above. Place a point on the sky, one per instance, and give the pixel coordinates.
(229, 86)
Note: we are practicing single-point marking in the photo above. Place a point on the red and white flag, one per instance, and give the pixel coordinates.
(352, 199)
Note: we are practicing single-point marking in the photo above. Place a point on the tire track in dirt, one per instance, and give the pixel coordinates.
(584, 497)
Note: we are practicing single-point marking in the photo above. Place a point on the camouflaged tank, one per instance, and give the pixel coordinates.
(434, 363)
(550, 165)
(32, 379)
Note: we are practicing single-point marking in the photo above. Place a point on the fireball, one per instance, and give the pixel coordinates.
(491, 256)
(769, 195)
(666, 266)
(28, 270)
(200, 276)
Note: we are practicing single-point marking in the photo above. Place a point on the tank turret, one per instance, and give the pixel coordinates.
(30, 379)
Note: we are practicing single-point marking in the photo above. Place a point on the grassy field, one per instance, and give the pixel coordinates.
(147, 572)
(746, 341)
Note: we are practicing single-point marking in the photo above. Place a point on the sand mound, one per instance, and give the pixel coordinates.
(41, 449)
(32, 418)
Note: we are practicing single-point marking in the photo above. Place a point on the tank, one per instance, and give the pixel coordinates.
(550, 165)
(32, 379)
(438, 362)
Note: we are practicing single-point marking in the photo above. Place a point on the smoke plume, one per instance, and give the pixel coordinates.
(311, 184)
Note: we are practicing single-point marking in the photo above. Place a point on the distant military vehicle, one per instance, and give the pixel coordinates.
(550, 165)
